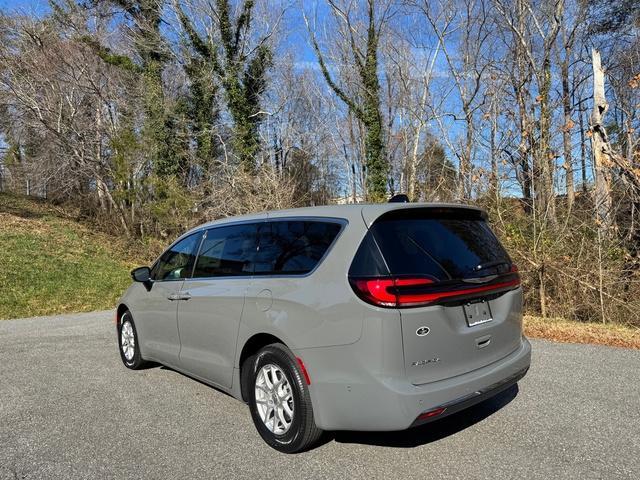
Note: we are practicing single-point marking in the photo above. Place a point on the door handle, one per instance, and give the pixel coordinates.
(179, 296)
(483, 341)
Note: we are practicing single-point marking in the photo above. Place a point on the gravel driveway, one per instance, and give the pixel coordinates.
(69, 409)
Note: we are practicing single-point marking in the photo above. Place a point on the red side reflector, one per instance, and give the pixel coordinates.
(431, 413)
(305, 374)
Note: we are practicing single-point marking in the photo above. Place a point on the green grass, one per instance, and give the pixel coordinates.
(54, 264)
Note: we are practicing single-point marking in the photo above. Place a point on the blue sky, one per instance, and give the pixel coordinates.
(38, 6)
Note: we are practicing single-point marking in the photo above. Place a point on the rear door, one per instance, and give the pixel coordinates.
(457, 290)
(209, 317)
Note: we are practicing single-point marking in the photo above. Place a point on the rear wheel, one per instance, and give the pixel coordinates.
(128, 342)
(279, 400)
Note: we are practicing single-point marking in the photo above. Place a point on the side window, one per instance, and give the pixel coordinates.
(177, 262)
(293, 247)
(227, 251)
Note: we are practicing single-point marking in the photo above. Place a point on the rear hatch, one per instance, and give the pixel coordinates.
(455, 286)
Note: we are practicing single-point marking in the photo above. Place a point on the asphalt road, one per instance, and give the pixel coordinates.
(69, 409)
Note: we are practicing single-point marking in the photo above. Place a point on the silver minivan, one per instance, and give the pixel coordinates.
(353, 317)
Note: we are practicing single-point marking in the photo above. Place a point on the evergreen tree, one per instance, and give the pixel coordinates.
(242, 76)
(159, 133)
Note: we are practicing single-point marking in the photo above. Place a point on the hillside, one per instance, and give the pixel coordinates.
(55, 264)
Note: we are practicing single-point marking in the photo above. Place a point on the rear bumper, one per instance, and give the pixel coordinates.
(474, 398)
(347, 399)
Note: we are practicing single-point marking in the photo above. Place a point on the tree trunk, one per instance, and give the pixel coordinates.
(566, 134)
(464, 185)
(601, 148)
(494, 184)
(583, 152)
(545, 189)
(413, 159)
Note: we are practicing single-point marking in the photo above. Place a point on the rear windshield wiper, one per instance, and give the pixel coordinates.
(495, 263)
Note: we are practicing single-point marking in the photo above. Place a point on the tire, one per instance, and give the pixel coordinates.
(129, 350)
(285, 432)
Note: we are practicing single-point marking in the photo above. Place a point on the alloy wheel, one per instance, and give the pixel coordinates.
(274, 399)
(127, 340)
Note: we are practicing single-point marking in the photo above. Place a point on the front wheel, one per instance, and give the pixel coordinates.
(128, 342)
(279, 400)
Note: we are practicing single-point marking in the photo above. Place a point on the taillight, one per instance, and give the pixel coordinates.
(387, 292)
(413, 292)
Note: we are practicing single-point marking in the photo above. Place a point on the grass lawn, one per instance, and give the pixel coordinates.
(560, 330)
(53, 264)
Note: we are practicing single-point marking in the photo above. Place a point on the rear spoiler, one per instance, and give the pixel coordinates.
(372, 213)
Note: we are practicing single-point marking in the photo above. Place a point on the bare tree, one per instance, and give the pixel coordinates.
(571, 22)
(602, 152)
(63, 96)
(465, 26)
(364, 103)
(546, 23)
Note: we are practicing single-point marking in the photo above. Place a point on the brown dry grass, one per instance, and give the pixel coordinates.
(559, 330)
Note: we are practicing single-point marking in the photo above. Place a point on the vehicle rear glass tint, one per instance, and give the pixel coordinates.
(443, 245)
(368, 261)
(293, 247)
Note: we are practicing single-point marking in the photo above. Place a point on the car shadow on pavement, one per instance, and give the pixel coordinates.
(430, 432)
(169, 369)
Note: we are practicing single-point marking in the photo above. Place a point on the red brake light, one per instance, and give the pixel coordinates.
(412, 292)
(385, 291)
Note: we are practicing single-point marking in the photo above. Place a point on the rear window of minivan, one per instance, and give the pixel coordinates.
(444, 244)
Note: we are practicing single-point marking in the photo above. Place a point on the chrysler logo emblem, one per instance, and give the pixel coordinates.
(422, 331)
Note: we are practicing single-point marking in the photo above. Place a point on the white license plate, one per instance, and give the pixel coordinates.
(477, 313)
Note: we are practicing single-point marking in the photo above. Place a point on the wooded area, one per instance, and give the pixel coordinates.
(152, 116)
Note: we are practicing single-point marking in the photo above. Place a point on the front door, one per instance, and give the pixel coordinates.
(156, 315)
(209, 317)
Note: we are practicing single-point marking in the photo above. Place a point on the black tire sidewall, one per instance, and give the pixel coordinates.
(291, 440)
(136, 361)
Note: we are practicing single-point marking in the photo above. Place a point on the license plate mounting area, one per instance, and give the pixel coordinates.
(477, 312)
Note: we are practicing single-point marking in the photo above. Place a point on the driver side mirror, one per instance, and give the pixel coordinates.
(142, 275)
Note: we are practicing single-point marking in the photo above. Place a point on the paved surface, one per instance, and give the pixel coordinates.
(69, 409)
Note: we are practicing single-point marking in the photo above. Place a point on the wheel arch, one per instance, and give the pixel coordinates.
(120, 311)
(251, 347)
